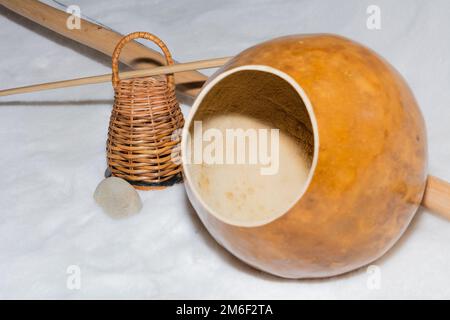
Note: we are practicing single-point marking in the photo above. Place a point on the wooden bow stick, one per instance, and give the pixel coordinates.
(437, 196)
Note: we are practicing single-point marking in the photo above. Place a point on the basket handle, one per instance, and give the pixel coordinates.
(144, 35)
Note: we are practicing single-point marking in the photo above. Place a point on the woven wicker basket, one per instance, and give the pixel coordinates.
(144, 129)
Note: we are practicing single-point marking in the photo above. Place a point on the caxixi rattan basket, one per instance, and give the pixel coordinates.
(144, 129)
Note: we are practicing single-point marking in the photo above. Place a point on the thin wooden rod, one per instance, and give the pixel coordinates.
(180, 67)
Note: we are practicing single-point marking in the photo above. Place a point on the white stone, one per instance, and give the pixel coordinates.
(117, 197)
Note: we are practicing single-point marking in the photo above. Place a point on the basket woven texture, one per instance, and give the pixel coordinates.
(144, 132)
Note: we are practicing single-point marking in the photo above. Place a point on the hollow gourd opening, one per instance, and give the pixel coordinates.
(250, 145)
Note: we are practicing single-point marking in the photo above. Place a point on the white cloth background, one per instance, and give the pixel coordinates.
(52, 156)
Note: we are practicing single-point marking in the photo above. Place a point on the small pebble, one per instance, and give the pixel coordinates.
(117, 197)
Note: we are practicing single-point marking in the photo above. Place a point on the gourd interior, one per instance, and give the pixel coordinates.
(251, 146)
